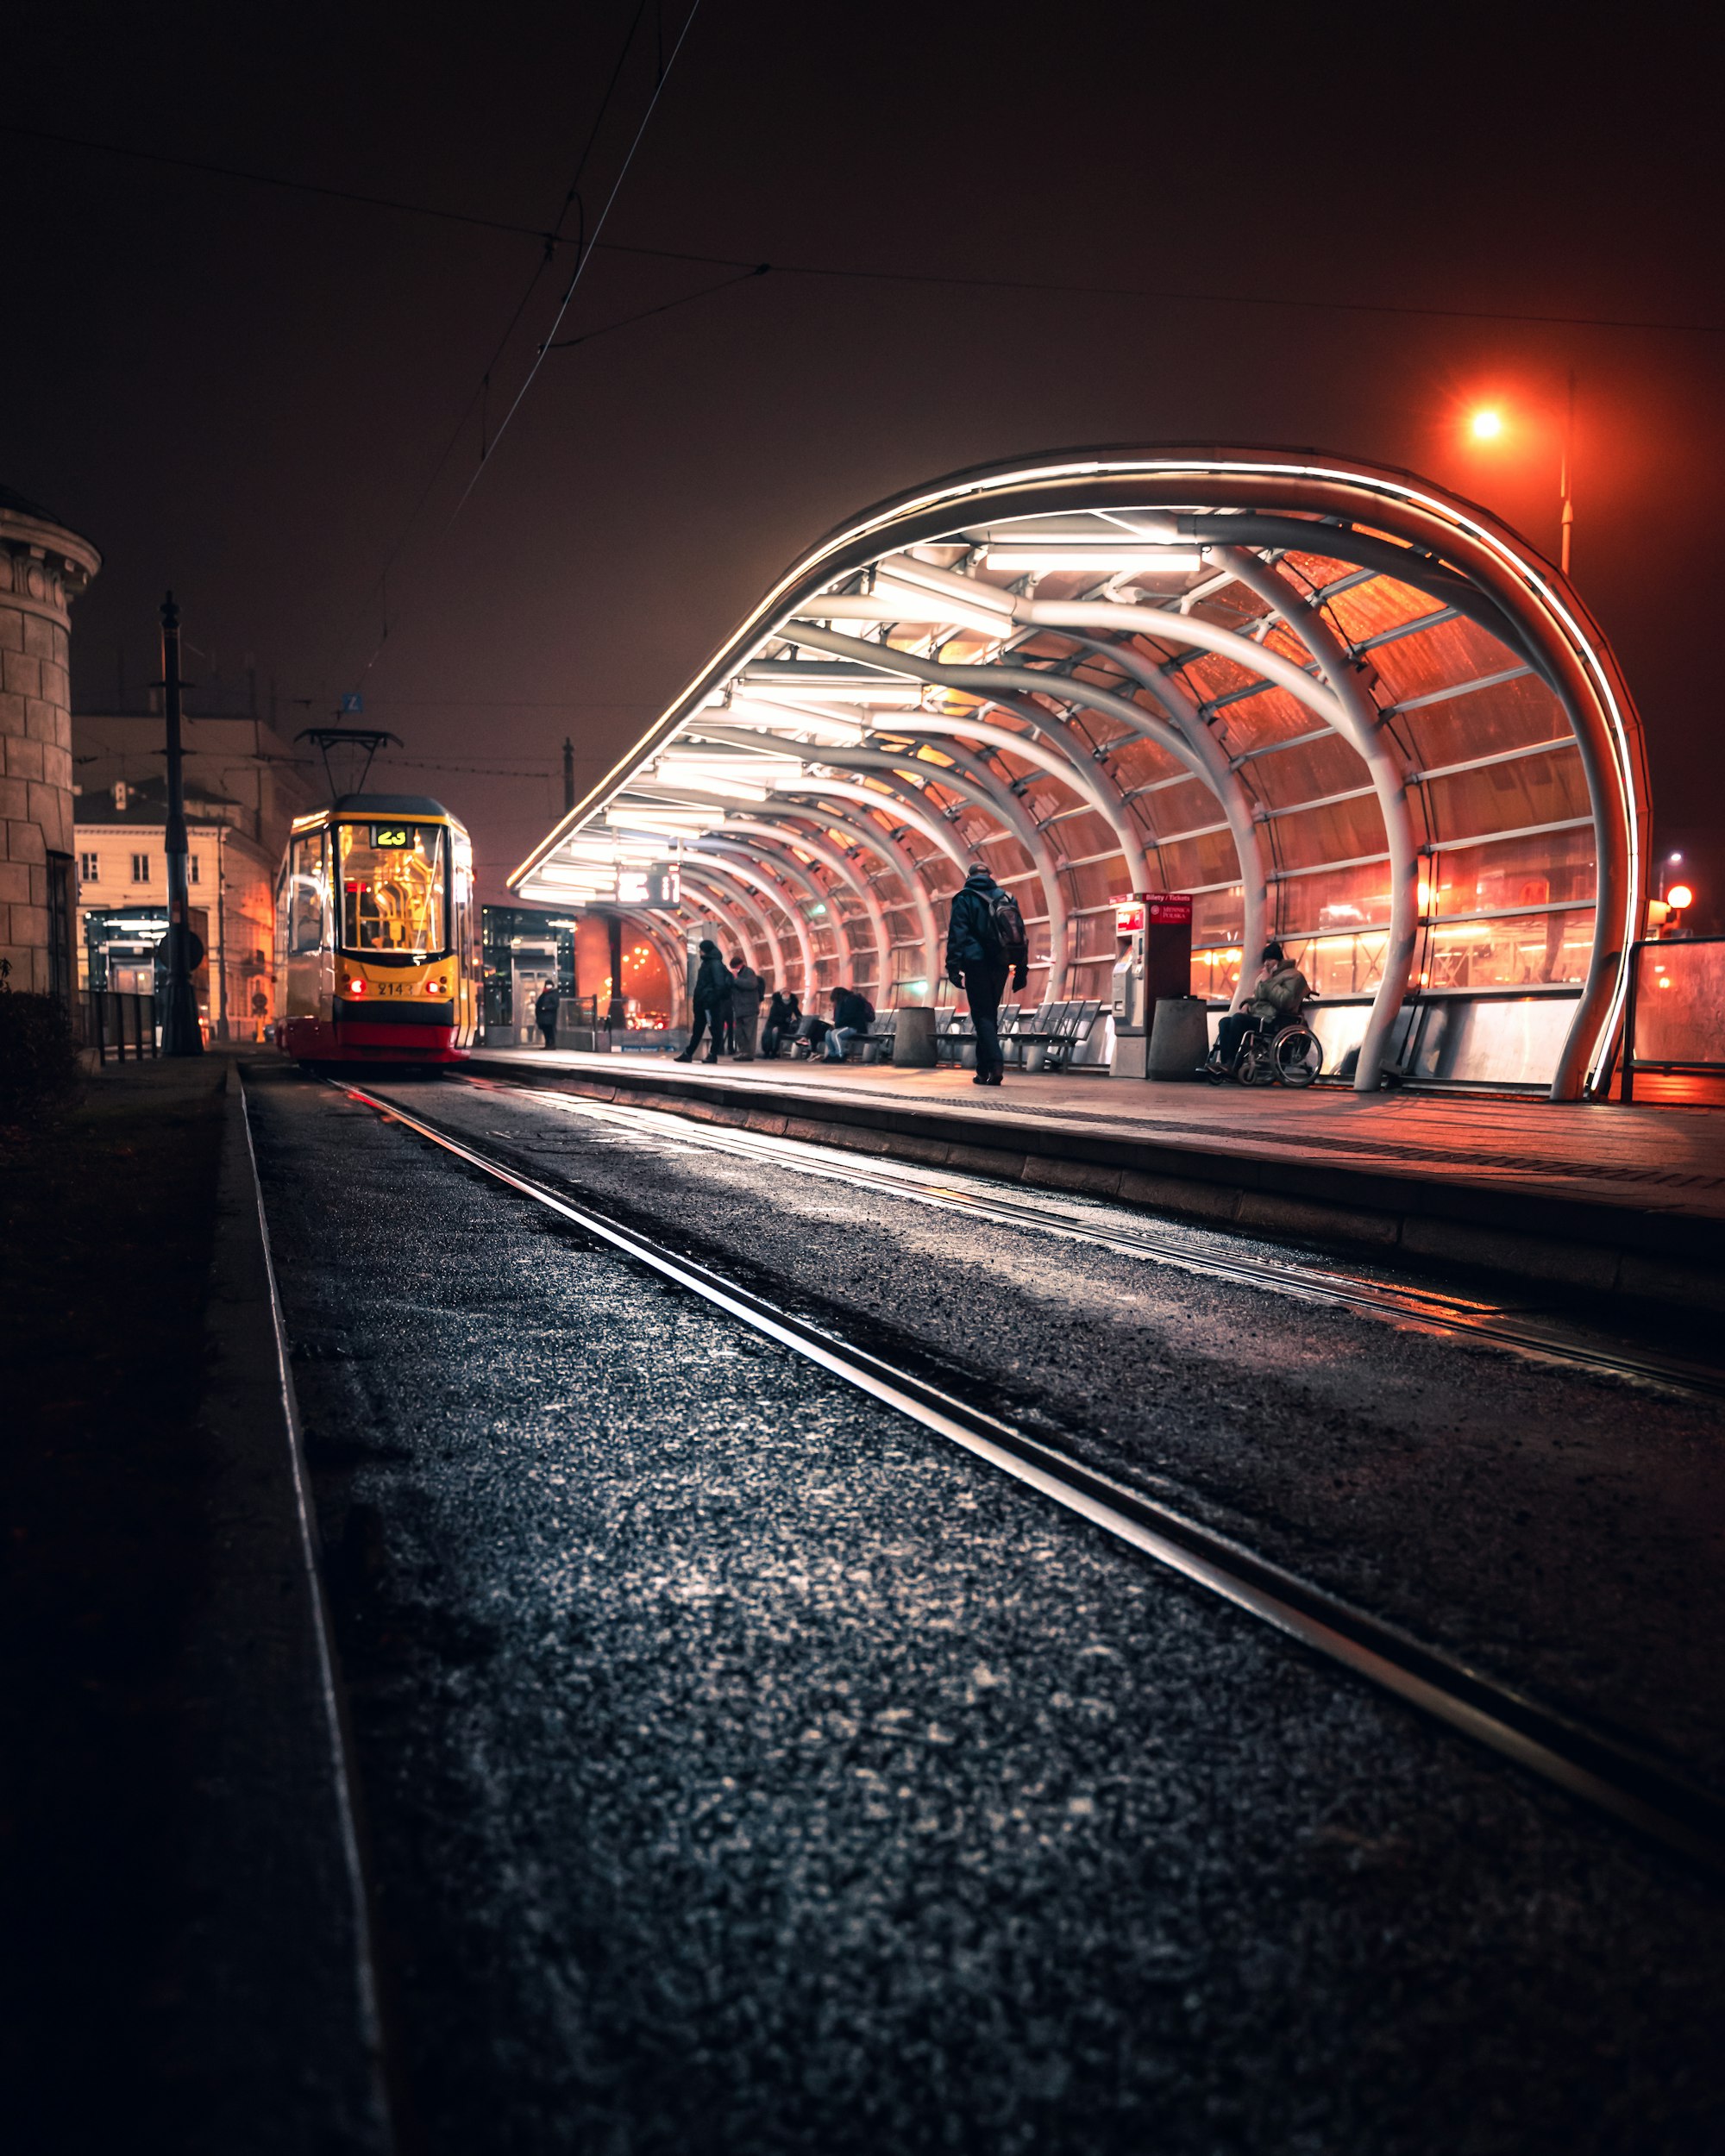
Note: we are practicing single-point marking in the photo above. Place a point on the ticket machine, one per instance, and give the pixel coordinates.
(1154, 932)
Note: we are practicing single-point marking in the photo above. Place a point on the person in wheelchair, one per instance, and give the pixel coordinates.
(1275, 998)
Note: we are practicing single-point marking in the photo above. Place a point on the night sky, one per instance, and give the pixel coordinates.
(244, 391)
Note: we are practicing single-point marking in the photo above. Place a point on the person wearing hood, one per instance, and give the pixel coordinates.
(746, 986)
(783, 1014)
(985, 941)
(545, 1008)
(712, 1002)
(1275, 998)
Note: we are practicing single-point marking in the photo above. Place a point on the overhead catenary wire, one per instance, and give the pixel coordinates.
(551, 239)
(482, 393)
(584, 254)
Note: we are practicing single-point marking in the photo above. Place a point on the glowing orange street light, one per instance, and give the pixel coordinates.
(1487, 424)
(1679, 898)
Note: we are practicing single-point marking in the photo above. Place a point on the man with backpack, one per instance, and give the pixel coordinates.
(985, 941)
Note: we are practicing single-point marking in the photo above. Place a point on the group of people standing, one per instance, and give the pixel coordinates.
(726, 1000)
(727, 1008)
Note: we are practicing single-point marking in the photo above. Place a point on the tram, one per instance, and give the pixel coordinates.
(377, 934)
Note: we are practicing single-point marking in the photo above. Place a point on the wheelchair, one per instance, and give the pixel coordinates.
(1269, 1054)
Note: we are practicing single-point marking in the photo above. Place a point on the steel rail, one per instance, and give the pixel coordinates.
(343, 1779)
(1630, 1786)
(1407, 1304)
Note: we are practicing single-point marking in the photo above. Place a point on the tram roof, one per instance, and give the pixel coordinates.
(380, 805)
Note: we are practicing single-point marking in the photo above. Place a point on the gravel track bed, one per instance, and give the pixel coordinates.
(746, 1771)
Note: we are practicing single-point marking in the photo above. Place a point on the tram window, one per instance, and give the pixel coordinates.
(392, 887)
(305, 921)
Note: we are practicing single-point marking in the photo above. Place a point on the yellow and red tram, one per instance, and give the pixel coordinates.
(377, 934)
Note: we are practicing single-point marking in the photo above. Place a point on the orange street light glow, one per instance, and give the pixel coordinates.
(1487, 425)
(1679, 896)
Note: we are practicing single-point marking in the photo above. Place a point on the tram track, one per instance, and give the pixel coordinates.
(1601, 1769)
(1412, 1306)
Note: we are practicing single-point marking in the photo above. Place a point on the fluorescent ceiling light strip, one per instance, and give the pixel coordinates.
(832, 689)
(1150, 562)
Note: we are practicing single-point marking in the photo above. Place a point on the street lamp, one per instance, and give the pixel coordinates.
(1487, 425)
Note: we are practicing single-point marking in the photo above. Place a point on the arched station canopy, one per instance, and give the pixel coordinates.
(1333, 703)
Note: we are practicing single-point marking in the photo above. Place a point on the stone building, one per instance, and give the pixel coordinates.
(245, 782)
(43, 567)
(120, 832)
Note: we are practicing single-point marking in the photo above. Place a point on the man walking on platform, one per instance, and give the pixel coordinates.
(712, 1002)
(745, 1008)
(984, 940)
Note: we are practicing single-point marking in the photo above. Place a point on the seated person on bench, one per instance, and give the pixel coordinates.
(1275, 998)
(782, 1014)
(852, 1015)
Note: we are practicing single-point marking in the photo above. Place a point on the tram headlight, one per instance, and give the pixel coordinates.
(356, 984)
(436, 987)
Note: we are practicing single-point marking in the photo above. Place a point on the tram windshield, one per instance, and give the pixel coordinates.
(392, 886)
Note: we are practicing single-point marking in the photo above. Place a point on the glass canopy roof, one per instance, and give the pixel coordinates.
(1334, 704)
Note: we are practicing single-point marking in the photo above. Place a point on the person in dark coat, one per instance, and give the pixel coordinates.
(545, 1012)
(745, 1008)
(977, 962)
(1275, 998)
(711, 1001)
(852, 1015)
(783, 1013)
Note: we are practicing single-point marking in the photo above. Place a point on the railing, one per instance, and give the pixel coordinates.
(1674, 1023)
(113, 1021)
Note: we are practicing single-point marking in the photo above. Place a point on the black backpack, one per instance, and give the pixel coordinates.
(1009, 926)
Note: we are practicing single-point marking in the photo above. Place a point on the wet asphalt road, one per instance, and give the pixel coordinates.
(744, 1770)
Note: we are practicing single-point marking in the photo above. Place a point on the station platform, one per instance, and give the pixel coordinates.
(1600, 1196)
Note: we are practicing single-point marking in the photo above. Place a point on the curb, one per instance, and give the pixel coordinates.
(280, 2049)
(1440, 1220)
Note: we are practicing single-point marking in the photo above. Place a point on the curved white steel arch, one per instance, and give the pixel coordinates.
(776, 837)
(1388, 775)
(897, 857)
(994, 797)
(760, 930)
(847, 873)
(1449, 546)
(738, 863)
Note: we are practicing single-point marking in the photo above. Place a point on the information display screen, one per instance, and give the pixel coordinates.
(393, 839)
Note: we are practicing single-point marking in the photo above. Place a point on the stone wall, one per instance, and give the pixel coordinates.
(43, 567)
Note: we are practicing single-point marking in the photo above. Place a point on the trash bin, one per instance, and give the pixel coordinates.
(913, 1039)
(1179, 1038)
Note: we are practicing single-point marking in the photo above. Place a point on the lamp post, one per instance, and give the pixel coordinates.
(181, 1033)
(1487, 424)
(1566, 491)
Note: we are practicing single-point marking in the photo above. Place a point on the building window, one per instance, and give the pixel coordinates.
(140, 868)
(192, 868)
(88, 868)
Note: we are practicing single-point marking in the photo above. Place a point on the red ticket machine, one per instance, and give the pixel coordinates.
(1154, 931)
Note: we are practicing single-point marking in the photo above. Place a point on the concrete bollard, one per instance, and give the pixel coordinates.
(1179, 1038)
(913, 1041)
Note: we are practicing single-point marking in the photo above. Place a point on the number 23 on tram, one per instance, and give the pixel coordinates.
(377, 934)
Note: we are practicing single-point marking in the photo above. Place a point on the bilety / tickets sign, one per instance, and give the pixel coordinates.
(1167, 909)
